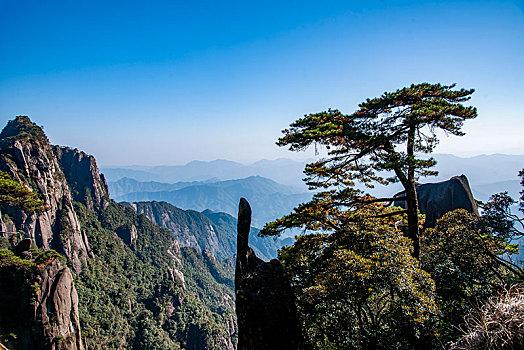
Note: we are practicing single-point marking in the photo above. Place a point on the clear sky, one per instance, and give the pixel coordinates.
(166, 82)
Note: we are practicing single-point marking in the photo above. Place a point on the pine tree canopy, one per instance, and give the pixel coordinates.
(382, 142)
(368, 140)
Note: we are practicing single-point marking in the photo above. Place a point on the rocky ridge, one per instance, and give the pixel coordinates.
(209, 230)
(135, 285)
(27, 155)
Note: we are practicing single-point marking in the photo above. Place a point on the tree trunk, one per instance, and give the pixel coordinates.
(411, 194)
(412, 212)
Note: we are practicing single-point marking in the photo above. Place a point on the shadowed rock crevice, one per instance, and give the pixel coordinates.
(265, 304)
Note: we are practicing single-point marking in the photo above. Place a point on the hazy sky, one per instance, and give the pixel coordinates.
(166, 82)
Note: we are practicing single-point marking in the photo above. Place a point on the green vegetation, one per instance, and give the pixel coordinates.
(359, 282)
(385, 134)
(8, 258)
(359, 287)
(129, 300)
(15, 273)
(462, 260)
(15, 194)
(498, 219)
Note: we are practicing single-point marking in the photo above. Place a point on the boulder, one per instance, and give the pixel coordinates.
(436, 199)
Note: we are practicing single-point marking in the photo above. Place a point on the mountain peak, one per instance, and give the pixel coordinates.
(22, 127)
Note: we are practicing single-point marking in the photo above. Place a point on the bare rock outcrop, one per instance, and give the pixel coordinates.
(436, 199)
(56, 309)
(265, 304)
(7, 227)
(87, 184)
(27, 155)
(40, 304)
(129, 235)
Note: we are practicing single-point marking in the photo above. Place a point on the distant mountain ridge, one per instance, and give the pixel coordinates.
(485, 172)
(285, 171)
(270, 199)
(127, 185)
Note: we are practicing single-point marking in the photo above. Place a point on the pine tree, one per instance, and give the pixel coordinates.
(386, 135)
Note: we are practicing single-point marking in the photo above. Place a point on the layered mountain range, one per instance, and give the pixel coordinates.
(285, 171)
(87, 272)
(487, 174)
(270, 199)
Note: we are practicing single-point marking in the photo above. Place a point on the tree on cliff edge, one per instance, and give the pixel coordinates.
(15, 194)
(385, 135)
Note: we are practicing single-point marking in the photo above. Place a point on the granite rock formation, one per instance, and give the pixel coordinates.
(127, 271)
(436, 199)
(265, 304)
(44, 312)
(27, 155)
(88, 186)
(56, 309)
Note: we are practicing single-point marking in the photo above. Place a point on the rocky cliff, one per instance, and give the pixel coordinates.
(27, 155)
(436, 199)
(42, 312)
(136, 287)
(88, 186)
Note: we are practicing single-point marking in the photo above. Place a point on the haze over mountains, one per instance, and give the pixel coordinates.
(274, 187)
(284, 171)
(270, 199)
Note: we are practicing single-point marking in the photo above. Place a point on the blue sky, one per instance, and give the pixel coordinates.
(166, 82)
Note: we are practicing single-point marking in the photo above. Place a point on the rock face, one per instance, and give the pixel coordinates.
(436, 199)
(56, 310)
(128, 234)
(27, 155)
(22, 249)
(87, 184)
(265, 305)
(43, 312)
(7, 227)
